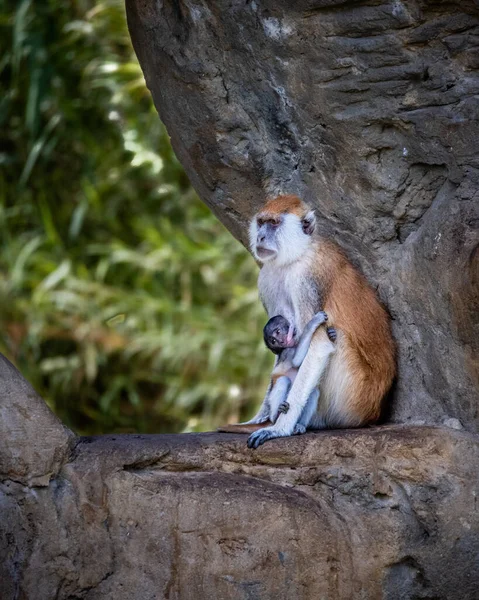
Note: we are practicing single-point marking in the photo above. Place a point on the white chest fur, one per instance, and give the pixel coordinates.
(282, 290)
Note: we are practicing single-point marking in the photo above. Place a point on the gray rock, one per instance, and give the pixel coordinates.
(368, 110)
(385, 512)
(33, 442)
(453, 424)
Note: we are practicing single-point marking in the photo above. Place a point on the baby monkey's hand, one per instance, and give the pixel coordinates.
(319, 318)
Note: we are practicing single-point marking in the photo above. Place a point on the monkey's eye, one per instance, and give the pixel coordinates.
(277, 332)
(273, 341)
(273, 221)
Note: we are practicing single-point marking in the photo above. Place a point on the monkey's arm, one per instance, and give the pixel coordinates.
(307, 379)
(305, 340)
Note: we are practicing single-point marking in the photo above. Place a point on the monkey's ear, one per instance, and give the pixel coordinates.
(309, 223)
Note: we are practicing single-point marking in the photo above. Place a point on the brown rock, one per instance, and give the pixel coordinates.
(385, 512)
(370, 111)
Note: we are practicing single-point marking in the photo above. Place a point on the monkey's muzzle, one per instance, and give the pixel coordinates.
(265, 253)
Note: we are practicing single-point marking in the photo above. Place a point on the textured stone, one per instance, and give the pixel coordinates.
(386, 512)
(369, 110)
(33, 442)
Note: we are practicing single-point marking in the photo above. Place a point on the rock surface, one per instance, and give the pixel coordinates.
(33, 442)
(367, 109)
(387, 512)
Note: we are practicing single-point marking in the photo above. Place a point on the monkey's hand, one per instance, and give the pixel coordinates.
(261, 436)
(332, 333)
(299, 429)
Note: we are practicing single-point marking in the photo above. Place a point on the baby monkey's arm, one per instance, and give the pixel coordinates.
(305, 339)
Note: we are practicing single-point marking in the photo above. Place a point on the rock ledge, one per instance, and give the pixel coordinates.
(385, 512)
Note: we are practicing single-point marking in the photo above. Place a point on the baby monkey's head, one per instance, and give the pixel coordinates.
(278, 334)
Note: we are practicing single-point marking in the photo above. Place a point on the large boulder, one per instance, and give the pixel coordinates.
(368, 110)
(387, 512)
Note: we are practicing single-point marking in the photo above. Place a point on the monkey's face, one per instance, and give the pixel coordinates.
(281, 233)
(266, 236)
(279, 334)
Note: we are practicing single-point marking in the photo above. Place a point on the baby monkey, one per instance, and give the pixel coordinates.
(279, 337)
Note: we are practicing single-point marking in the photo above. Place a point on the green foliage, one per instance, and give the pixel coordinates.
(123, 300)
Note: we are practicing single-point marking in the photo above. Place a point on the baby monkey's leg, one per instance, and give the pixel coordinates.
(307, 414)
(263, 414)
(277, 397)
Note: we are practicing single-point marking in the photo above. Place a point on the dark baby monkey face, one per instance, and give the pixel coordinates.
(278, 334)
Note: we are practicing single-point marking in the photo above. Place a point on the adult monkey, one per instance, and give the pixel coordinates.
(300, 275)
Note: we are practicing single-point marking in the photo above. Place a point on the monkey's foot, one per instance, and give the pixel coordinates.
(332, 334)
(243, 427)
(299, 429)
(283, 407)
(262, 436)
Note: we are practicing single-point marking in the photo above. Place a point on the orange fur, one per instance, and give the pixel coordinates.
(354, 310)
(276, 375)
(284, 204)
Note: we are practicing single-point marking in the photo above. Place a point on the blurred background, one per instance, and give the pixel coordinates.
(123, 300)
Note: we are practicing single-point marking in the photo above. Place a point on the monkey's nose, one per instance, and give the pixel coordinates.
(261, 238)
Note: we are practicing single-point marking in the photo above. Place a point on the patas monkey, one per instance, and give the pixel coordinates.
(301, 274)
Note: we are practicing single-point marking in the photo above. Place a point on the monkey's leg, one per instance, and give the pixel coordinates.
(263, 414)
(307, 414)
(277, 396)
(309, 375)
